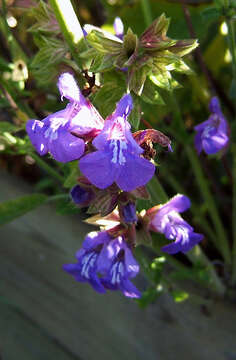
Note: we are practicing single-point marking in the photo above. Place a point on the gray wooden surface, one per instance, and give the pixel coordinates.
(49, 315)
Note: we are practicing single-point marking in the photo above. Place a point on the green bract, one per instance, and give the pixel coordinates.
(148, 59)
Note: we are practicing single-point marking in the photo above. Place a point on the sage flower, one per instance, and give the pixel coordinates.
(54, 134)
(117, 158)
(213, 134)
(167, 220)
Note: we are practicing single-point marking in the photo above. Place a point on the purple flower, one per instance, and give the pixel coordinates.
(85, 270)
(105, 263)
(213, 134)
(119, 27)
(118, 265)
(166, 220)
(54, 133)
(118, 157)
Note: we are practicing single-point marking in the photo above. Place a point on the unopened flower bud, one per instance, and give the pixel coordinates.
(81, 196)
(129, 213)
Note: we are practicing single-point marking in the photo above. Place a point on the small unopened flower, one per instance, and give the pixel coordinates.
(118, 27)
(54, 133)
(82, 196)
(129, 213)
(213, 134)
(105, 263)
(167, 220)
(118, 157)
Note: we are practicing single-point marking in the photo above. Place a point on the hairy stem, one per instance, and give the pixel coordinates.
(70, 26)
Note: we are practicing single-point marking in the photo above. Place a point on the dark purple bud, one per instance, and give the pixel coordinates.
(81, 196)
(129, 213)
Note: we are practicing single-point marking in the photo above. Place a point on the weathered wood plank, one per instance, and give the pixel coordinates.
(33, 249)
(22, 339)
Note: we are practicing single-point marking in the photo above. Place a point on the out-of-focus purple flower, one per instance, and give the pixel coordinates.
(118, 157)
(213, 134)
(82, 196)
(105, 263)
(85, 270)
(118, 265)
(119, 27)
(166, 220)
(54, 133)
(129, 213)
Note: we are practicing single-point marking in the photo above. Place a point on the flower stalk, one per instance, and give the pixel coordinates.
(70, 26)
(146, 12)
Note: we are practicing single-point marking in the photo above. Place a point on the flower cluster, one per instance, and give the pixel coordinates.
(116, 165)
(106, 263)
(149, 59)
(117, 158)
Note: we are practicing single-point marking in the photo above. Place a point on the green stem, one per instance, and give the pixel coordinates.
(146, 12)
(197, 255)
(47, 168)
(234, 216)
(14, 47)
(221, 241)
(231, 41)
(70, 26)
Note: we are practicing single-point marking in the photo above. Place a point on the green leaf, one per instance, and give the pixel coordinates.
(210, 13)
(165, 81)
(7, 127)
(150, 93)
(184, 47)
(111, 92)
(66, 207)
(137, 77)
(101, 63)
(12, 209)
(130, 42)
(104, 42)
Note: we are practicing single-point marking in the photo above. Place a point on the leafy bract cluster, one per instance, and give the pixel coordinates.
(148, 60)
